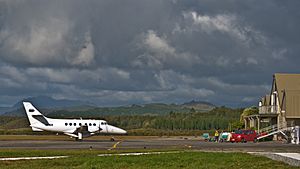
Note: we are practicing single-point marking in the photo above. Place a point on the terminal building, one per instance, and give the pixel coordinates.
(279, 110)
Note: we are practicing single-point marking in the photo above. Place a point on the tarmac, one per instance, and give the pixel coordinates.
(151, 143)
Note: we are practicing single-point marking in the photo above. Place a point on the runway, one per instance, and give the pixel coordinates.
(149, 143)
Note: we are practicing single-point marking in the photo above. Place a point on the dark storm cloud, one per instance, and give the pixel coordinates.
(123, 52)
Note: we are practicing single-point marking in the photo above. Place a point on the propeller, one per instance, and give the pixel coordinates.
(99, 129)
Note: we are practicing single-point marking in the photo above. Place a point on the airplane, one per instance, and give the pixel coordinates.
(77, 128)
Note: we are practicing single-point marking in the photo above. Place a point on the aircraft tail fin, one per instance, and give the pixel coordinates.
(35, 118)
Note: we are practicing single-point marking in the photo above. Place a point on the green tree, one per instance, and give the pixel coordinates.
(247, 112)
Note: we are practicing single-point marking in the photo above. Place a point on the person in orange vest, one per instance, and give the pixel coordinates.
(216, 135)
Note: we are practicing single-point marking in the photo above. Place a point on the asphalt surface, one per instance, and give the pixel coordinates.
(150, 144)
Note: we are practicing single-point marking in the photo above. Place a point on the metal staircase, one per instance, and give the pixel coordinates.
(274, 129)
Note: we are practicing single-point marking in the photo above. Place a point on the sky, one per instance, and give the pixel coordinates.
(121, 52)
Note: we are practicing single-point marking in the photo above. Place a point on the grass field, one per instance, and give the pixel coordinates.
(89, 159)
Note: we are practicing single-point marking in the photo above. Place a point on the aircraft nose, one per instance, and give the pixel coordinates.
(116, 130)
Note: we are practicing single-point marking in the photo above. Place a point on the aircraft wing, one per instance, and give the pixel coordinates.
(82, 130)
(72, 135)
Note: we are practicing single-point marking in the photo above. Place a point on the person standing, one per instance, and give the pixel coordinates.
(216, 135)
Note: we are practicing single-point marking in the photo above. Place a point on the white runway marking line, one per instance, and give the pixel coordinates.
(137, 154)
(31, 158)
(295, 156)
(289, 158)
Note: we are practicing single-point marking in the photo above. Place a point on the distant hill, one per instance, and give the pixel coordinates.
(146, 109)
(5, 109)
(198, 105)
(49, 102)
(45, 103)
(75, 108)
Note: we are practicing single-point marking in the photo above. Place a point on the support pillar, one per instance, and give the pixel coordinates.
(251, 122)
(245, 121)
(258, 124)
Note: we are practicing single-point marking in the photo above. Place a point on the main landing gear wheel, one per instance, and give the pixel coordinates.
(79, 138)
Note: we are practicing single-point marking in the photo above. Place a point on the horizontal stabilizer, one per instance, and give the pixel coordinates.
(36, 129)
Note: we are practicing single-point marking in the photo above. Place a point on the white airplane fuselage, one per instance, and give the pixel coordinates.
(69, 125)
(77, 128)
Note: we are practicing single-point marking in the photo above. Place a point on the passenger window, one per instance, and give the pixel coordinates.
(86, 124)
(70, 124)
(66, 124)
(102, 123)
(90, 124)
(94, 124)
(79, 124)
(74, 124)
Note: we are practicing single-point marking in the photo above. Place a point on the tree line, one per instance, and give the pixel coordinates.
(218, 118)
(173, 123)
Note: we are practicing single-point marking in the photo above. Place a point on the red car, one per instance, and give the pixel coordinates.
(243, 136)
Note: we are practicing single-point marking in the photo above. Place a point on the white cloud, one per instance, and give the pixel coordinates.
(51, 75)
(12, 73)
(222, 22)
(48, 42)
(250, 99)
(80, 50)
(86, 54)
(223, 61)
(251, 60)
(9, 83)
(158, 44)
(40, 44)
(279, 54)
(226, 23)
(71, 75)
(159, 53)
